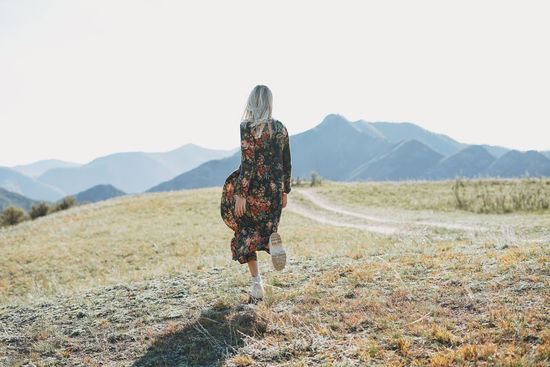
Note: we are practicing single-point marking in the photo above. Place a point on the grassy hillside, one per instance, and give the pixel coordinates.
(147, 280)
(432, 195)
(129, 238)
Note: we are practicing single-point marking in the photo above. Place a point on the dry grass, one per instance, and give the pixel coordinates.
(479, 195)
(502, 196)
(444, 309)
(411, 195)
(430, 297)
(135, 237)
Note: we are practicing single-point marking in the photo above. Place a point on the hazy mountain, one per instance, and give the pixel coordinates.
(469, 162)
(99, 193)
(517, 164)
(368, 128)
(21, 184)
(39, 167)
(133, 171)
(334, 148)
(211, 173)
(495, 150)
(190, 156)
(341, 150)
(547, 153)
(397, 131)
(410, 159)
(8, 198)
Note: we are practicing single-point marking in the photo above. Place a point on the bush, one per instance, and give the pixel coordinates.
(12, 215)
(459, 193)
(298, 181)
(502, 196)
(66, 203)
(39, 210)
(315, 179)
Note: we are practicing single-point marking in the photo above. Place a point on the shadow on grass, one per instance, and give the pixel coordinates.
(216, 334)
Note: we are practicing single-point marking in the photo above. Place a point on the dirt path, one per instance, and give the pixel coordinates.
(324, 220)
(388, 225)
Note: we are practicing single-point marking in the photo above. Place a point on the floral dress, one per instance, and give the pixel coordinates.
(262, 177)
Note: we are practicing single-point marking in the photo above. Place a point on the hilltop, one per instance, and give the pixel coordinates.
(99, 193)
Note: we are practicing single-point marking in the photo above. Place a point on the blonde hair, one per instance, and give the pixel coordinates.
(258, 109)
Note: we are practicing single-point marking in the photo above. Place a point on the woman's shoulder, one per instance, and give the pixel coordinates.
(244, 124)
(279, 125)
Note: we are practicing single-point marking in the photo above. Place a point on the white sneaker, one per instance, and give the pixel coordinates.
(256, 291)
(277, 251)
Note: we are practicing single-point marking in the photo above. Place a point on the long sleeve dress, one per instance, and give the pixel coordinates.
(262, 177)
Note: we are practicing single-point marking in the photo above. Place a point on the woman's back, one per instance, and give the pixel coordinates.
(267, 152)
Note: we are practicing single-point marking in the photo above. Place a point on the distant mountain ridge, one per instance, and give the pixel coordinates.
(471, 161)
(98, 193)
(397, 131)
(132, 172)
(207, 174)
(37, 168)
(8, 198)
(30, 187)
(409, 159)
(334, 148)
(516, 163)
(337, 149)
(341, 150)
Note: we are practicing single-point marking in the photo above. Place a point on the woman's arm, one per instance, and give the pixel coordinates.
(246, 173)
(287, 166)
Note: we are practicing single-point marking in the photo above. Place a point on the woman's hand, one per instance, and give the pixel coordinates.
(284, 199)
(240, 205)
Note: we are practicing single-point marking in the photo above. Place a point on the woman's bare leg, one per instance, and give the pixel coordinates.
(256, 289)
(253, 266)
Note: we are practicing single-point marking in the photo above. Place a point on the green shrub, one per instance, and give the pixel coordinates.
(66, 203)
(39, 210)
(12, 215)
(315, 179)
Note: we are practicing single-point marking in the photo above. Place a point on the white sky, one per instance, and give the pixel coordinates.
(81, 79)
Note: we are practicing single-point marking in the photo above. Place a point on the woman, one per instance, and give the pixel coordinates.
(253, 196)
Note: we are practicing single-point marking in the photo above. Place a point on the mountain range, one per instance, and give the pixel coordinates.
(8, 198)
(337, 149)
(35, 169)
(340, 150)
(27, 186)
(131, 172)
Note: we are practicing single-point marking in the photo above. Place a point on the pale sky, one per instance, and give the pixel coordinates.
(82, 79)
